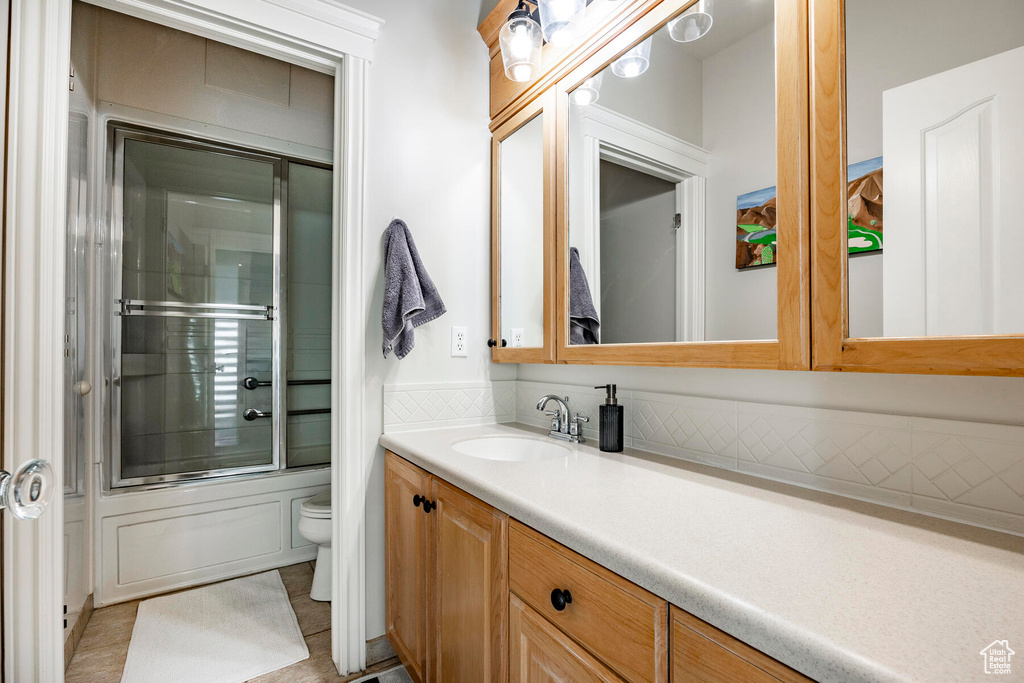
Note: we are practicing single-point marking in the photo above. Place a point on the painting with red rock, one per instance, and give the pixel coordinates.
(756, 218)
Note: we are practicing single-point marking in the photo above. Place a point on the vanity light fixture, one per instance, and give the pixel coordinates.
(635, 61)
(693, 23)
(588, 91)
(561, 20)
(520, 41)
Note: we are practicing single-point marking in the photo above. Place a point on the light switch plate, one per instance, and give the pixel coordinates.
(459, 348)
(517, 337)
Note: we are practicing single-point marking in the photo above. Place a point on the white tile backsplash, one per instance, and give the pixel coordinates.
(967, 471)
(421, 406)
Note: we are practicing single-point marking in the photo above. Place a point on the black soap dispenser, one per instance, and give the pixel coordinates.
(611, 421)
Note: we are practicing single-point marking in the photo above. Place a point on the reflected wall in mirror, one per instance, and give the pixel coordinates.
(933, 87)
(662, 143)
(521, 235)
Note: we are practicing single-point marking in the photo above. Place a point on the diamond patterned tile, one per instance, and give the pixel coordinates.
(413, 405)
(830, 445)
(967, 468)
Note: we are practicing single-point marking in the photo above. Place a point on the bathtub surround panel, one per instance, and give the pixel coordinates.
(155, 541)
(971, 472)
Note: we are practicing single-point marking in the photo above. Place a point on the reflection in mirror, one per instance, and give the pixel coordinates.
(934, 92)
(672, 168)
(521, 235)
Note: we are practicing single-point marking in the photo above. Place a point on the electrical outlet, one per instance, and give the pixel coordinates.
(459, 348)
(517, 337)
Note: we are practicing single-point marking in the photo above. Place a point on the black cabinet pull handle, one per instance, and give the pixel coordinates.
(428, 505)
(560, 598)
(417, 499)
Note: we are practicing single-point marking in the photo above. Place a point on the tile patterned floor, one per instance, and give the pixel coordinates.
(102, 652)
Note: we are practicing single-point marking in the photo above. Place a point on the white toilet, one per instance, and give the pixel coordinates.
(315, 527)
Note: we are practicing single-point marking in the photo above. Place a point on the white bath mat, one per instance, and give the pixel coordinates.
(224, 633)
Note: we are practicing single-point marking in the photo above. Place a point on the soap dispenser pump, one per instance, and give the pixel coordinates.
(611, 421)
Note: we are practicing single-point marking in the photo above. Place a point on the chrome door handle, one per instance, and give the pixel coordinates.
(27, 492)
(82, 387)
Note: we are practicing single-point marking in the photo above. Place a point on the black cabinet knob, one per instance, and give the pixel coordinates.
(417, 499)
(504, 343)
(491, 343)
(560, 598)
(428, 505)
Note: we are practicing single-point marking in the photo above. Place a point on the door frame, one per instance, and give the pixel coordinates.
(609, 136)
(325, 37)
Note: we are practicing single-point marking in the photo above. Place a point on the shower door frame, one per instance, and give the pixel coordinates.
(328, 38)
(119, 133)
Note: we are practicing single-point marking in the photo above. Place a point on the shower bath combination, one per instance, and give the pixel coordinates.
(220, 328)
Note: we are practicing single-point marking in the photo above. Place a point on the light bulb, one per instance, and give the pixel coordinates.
(693, 23)
(522, 72)
(561, 20)
(634, 61)
(520, 46)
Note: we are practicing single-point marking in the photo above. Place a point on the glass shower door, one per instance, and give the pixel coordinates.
(197, 275)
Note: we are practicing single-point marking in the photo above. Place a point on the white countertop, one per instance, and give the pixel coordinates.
(835, 588)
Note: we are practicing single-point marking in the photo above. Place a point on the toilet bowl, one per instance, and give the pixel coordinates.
(315, 527)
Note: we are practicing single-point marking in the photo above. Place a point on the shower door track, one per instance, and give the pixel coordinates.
(272, 312)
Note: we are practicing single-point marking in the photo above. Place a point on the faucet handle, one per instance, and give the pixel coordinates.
(574, 424)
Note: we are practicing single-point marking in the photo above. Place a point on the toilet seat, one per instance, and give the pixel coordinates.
(318, 507)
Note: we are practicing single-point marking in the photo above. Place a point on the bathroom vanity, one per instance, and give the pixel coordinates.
(476, 595)
(581, 565)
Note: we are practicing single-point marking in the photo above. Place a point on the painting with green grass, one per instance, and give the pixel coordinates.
(757, 224)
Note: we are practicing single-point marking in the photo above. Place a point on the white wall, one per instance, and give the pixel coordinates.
(739, 132)
(521, 214)
(428, 162)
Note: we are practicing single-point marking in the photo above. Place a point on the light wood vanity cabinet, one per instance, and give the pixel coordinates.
(473, 596)
(446, 578)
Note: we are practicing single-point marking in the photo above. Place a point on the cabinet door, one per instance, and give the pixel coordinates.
(468, 589)
(703, 654)
(540, 653)
(406, 563)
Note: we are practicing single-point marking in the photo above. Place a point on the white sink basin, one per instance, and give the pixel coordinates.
(511, 449)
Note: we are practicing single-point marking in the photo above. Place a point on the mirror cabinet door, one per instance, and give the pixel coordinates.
(683, 215)
(522, 239)
(933, 99)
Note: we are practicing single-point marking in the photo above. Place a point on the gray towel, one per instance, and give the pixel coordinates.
(410, 297)
(584, 326)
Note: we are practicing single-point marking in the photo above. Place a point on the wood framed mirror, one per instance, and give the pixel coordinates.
(929, 93)
(683, 191)
(523, 236)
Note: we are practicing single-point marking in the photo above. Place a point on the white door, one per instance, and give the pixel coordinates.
(953, 151)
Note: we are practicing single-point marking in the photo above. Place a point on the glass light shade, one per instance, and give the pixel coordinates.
(561, 20)
(693, 23)
(520, 46)
(635, 61)
(588, 91)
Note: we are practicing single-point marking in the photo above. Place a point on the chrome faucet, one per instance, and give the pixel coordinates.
(562, 427)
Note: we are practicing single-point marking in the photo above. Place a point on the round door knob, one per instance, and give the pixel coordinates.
(491, 343)
(27, 492)
(82, 387)
(560, 598)
(428, 505)
(504, 343)
(417, 499)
